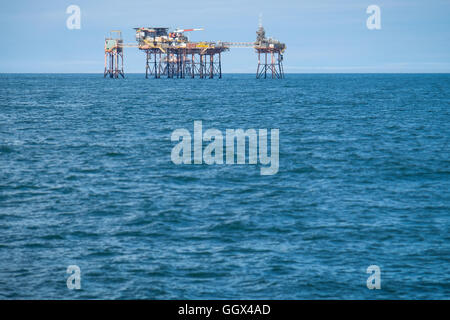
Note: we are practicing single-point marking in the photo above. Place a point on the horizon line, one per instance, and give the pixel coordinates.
(249, 73)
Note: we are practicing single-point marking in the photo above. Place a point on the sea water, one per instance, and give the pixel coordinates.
(86, 179)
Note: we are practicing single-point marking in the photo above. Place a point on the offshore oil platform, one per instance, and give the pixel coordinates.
(170, 54)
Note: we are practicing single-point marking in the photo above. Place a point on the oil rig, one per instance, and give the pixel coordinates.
(170, 54)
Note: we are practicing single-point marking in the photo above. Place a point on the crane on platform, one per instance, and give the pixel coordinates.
(186, 30)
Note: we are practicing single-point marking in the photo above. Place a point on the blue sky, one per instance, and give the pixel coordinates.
(321, 35)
